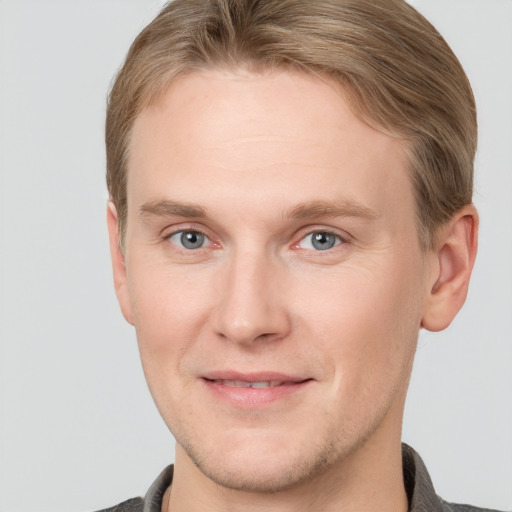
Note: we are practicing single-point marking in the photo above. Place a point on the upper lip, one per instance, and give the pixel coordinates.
(264, 376)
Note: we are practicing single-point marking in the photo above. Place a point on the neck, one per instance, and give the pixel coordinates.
(369, 479)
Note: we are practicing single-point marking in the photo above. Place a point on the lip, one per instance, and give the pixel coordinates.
(235, 387)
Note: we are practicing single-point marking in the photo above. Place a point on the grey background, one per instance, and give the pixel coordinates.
(78, 430)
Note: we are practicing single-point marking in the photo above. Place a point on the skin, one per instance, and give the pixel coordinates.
(257, 162)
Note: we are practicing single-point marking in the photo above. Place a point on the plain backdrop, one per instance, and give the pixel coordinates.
(78, 429)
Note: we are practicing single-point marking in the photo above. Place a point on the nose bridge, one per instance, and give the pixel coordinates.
(250, 306)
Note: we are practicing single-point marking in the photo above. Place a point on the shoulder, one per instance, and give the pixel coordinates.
(420, 490)
(455, 507)
(132, 505)
(152, 502)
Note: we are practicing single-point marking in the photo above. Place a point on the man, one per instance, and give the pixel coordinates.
(290, 203)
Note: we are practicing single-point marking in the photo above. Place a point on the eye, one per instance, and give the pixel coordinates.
(189, 240)
(320, 241)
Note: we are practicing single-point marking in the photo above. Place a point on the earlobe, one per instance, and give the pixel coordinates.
(455, 256)
(118, 263)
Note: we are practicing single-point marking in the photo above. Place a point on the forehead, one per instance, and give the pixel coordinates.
(275, 134)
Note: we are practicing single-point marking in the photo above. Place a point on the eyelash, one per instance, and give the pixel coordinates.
(338, 240)
(192, 233)
(317, 236)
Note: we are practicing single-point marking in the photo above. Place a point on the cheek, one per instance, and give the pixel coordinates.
(170, 310)
(366, 323)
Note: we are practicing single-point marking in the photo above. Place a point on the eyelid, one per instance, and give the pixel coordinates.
(206, 240)
(337, 241)
(343, 236)
(170, 231)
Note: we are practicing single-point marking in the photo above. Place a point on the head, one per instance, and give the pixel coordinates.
(290, 191)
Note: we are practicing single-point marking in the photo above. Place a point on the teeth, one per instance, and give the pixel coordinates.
(235, 383)
(261, 384)
(245, 384)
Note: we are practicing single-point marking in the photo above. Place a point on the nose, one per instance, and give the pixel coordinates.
(251, 302)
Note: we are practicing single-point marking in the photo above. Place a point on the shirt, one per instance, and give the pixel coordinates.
(418, 485)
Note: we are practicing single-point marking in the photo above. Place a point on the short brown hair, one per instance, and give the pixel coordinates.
(400, 74)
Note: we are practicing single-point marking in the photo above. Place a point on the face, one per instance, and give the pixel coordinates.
(273, 273)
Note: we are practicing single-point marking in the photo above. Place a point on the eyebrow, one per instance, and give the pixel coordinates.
(168, 208)
(345, 208)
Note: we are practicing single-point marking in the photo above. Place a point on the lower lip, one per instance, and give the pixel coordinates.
(255, 397)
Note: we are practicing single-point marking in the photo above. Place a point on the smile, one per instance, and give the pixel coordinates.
(254, 391)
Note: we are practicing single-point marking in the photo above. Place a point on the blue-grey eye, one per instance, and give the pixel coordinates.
(320, 241)
(189, 239)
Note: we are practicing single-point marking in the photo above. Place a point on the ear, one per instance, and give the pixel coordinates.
(454, 259)
(118, 263)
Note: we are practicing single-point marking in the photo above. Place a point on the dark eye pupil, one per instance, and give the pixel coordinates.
(192, 239)
(323, 241)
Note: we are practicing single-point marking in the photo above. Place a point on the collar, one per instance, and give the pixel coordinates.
(418, 485)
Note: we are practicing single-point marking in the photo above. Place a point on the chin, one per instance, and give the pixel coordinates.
(263, 475)
(263, 464)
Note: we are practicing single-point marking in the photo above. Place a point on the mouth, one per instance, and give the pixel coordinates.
(254, 390)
